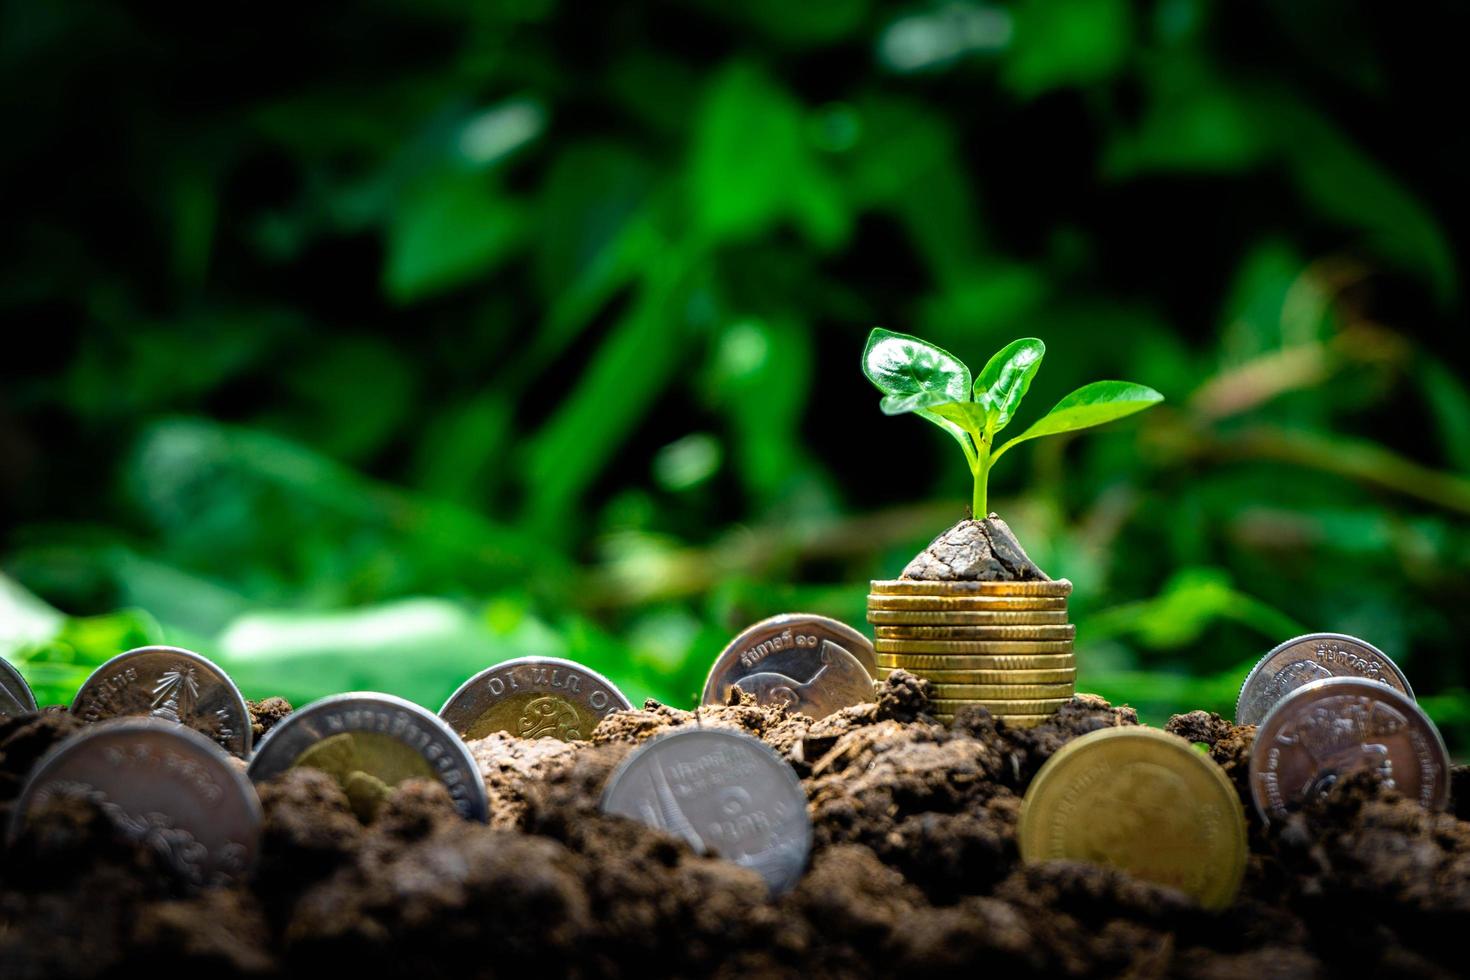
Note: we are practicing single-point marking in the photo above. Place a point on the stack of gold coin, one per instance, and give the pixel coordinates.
(1004, 645)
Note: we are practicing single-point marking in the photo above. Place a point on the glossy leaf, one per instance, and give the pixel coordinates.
(1006, 379)
(906, 366)
(1094, 404)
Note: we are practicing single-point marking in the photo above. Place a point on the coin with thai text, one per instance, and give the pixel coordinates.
(1331, 728)
(370, 743)
(1313, 657)
(171, 684)
(808, 664)
(15, 694)
(903, 586)
(533, 697)
(160, 783)
(723, 792)
(1144, 801)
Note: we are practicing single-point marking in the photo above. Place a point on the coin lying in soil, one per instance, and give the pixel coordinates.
(15, 694)
(370, 743)
(159, 783)
(810, 664)
(171, 684)
(724, 793)
(1144, 801)
(1328, 729)
(533, 697)
(903, 586)
(1314, 657)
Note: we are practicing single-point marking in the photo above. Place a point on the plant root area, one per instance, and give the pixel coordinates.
(914, 870)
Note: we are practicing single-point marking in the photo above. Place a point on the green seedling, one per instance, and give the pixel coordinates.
(915, 376)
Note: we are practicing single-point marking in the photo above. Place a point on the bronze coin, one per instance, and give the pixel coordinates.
(1024, 706)
(1001, 692)
(977, 628)
(996, 610)
(1019, 660)
(1066, 675)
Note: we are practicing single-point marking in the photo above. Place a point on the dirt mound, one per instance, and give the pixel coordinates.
(914, 869)
(985, 551)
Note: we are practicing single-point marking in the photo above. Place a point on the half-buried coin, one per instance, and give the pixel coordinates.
(160, 783)
(370, 743)
(1328, 729)
(809, 664)
(533, 697)
(724, 793)
(170, 684)
(1144, 801)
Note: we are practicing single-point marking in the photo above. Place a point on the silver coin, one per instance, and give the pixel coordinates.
(171, 684)
(811, 664)
(725, 793)
(1313, 657)
(371, 742)
(162, 784)
(15, 694)
(1331, 728)
(533, 697)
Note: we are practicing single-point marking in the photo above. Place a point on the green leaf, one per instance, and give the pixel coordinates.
(1006, 379)
(970, 416)
(1094, 404)
(903, 366)
(450, 230)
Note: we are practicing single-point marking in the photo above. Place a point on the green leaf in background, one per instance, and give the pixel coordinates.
(449, 230)
(1067, 42)
(1006, 378)
(1092, 404)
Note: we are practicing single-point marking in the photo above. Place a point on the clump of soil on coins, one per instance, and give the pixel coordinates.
(975, 551)
(914, 869)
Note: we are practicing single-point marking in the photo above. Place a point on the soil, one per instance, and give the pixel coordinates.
(975, 551)
(914, 869)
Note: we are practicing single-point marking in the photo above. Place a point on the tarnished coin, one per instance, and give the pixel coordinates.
(370, 743)
(1144, 801)
(533, 697)
(1000, 692)
(1313, 657)
(15, 694)
(1058, 676)
(979, 610)
(172, 684)
(999, 661)
(1330, 728)
(808, 663)
(973, 603)
(1042, 617)
(160, 783)
(725, 793)
(997, 706)
(1059, 587)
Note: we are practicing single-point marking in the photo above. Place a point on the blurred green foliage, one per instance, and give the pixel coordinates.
(360, 348)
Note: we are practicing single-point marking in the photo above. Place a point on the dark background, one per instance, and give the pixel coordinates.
(359, 347)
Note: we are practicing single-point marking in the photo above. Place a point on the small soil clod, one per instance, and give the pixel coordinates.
(975, 550)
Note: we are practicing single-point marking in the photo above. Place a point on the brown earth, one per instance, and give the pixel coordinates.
(914, 870)
(983, 550)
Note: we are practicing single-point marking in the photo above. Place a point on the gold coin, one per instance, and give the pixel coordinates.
(998, 661)
(904, 586)
(1016, 706)
(889, 644)
(981, 603)
(977, 627)
(1055, 676)
(367, 765)
(1153, 806)
(973, 632)
(1057, 617)
(1000, 692)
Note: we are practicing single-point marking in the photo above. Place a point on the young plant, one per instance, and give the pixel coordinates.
(918, 377)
